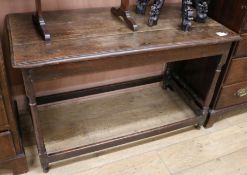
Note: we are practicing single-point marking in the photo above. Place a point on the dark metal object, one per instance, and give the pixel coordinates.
(201, 10)
(187, 11)
(141, 6)
(187, 15)
(155, 12)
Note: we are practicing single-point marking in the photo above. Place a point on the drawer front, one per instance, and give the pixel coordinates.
(3, 116)
(241, 50)
(237, 72)
(232, 95)
(7, 149)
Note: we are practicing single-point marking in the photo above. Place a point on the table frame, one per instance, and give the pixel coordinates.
(170, 79)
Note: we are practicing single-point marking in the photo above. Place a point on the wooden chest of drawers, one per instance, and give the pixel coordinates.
(237, 71)
(231, 13)
(12, 156)
(3, 116)
(232, 91)
(241, 50)
(7, 145)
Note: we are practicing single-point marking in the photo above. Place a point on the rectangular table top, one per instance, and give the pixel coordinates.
(79, 35)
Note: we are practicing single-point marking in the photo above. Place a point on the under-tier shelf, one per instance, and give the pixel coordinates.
(97, 118)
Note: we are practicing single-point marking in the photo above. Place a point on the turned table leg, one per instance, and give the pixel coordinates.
(39, 22)
(123, 11)
(30, 93)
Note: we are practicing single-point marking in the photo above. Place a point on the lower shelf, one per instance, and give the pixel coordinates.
(97, 118)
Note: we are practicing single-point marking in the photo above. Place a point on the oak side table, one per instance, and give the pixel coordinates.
(104, 39)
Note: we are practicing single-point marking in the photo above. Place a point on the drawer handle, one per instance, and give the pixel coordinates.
(242, 92)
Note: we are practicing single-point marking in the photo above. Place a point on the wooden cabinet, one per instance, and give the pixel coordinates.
(231, 13)
(237, 71)
(232, 95)
(232, 90)
(3, 116)
(12, 155)
(241, 50)
(7, 148)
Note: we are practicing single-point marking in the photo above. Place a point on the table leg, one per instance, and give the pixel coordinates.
(39, 21)
(205, 104)
(167, 77)
(213, 118)
(123, 11)
(183, 91)
(30, 93)
(215, 80)
(210, 93)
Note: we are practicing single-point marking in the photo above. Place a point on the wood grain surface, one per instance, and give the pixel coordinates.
(76, 36)
(16, 6)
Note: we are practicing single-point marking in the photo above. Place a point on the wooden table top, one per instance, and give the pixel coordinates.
(95, 33)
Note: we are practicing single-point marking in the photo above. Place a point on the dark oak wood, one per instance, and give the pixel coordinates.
(105, 39)
(241, 47)
(217, 114)
(237, 72)
(28, 82)
(199, 70)
(56, 156)
(7, 148)
(8, 103)
(230, 93)
(17, 164)
(122, 11)
(231, 13)
(97, 90)
(73, 43)
(11, 151)
(3, 116)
